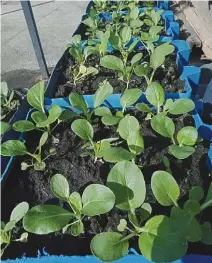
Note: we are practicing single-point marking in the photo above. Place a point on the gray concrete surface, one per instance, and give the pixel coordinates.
(56, 22)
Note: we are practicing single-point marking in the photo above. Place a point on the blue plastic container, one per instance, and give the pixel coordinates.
(204, 130)
(131, 258)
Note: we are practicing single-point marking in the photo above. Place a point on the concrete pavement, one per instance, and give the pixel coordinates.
(56, 22)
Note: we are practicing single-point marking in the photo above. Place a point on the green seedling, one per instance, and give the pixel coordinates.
(8, 102)
(7, 233)
(98, 47)
(18, 148)
(40, 119)
(152, 17)
(164, 125)
(76, 49)
(93, 23)
(79, 103)
(125, 71)
(157, 57)
(154, 233)
(128, 98)
(166, 162)
(43, 219)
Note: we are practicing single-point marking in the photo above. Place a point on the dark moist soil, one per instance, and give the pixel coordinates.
(167, 75)
(33, 186)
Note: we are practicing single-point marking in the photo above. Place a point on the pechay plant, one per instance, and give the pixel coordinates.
(160, 238)
(125, 71)
(7, 233)
(4, 127)
(76, 50)
(78, 102)
(164, 125)
(92, 23)
(43, 219)
(129, 97)
(98, 46)
(41, 120)
(8, 102)
(157, 56)
(18, 148)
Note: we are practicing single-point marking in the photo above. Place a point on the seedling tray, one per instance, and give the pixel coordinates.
(160, 4)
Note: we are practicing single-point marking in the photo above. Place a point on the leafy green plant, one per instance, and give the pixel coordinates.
(125, 71)
(44, 219)
(8, 102)
(7, 235)
(18, 148)
(98, 46)
(92, 22)
(79, 103)
(164, 125)
(160, 238)
(157, 56)
(128, 98)
(152, 17)
(76, 49)
(41, 120)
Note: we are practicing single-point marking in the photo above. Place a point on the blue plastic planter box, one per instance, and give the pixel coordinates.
(160, 4)
(204, 130)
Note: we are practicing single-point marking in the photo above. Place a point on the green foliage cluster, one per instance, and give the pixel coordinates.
(161, 238)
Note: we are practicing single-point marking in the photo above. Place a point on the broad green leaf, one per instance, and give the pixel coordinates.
(181, 152)
(19, 212)
(163, 125)
(154, 30)
(130, 97)
(117, 154)
(192, 207)
(126, 34)
(167, 104)
(122, 225)
(141, 70)
(127, 175)
(43, 139)
(90, 71)
(102, 111)
(97, 199)
(59, 186)
(143, 107)
(145, 211)
(78, 102)
(83, 129)
(67, 115)
(135, 142)
(127, 125)
(104, 145)
(89, 22)
(38, 116)
(112, 62)
(185, 224)
(159, 243)
(35, 96)
(208, 200)
(136, 58)
(165, 188)
(23, 126)
(157, 58)
(13, 148)
(75, 200)
(110, 120)
(155, 94)
(5, 127)
(54, 114)
(10, 225)
(4, 89)
(77, 228)
(103, 92)
(196, 193)
(134, 13)
(89, 50)
(187, 136)
(45, 219)
(108, 246)
(181, 106)
(206, 233)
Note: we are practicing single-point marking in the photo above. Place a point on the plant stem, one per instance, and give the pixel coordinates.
(135, 233)
(173, 140)
(151, 78)
(205, 205)
(128, 82)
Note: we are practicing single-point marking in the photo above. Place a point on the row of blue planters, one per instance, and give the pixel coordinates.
(190, 75)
